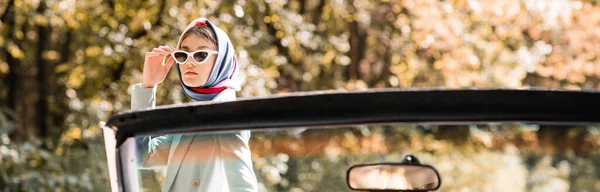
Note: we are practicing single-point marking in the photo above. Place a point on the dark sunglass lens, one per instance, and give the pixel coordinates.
(180, 56)
(200, 56)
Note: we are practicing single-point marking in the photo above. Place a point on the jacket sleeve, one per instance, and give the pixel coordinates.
(151, 151)
(142, 97)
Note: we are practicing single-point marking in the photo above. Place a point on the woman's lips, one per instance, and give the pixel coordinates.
(190, 73)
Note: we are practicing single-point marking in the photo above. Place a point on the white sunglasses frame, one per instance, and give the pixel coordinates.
(191, 54)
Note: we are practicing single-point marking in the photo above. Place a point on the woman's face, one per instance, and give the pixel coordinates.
(192, 74)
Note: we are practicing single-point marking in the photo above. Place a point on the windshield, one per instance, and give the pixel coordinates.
(468, 157)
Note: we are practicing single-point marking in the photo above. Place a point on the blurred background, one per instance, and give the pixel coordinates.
(66, 65)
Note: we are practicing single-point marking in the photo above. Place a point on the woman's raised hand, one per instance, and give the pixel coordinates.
(155, 68)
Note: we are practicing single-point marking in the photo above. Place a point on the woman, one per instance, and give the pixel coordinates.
(207, 68)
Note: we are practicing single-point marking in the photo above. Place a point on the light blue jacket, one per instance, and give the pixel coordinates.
(196, 162)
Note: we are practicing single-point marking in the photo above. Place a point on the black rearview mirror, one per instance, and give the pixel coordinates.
(394, 177)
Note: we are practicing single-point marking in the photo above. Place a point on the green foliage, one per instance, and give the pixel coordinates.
(77, 165)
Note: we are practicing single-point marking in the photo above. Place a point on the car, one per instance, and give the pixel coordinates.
(346, 140)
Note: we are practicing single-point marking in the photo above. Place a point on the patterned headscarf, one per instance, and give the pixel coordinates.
(224, 74)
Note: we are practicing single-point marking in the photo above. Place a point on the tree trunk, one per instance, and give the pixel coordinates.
(8, 12)
(357, 48)
(15, 102)
(553, 138)
(302, 7)
(42, 104)
(317, 16)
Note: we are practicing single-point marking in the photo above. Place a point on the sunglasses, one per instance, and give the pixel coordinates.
(199, 56)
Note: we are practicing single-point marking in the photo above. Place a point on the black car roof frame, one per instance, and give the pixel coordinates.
(327, 108)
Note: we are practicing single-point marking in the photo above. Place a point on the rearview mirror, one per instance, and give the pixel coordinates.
(393, 176)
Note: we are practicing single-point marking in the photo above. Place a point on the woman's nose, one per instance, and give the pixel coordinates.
(190, 62)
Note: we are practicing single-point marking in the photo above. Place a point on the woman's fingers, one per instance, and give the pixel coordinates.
(164, 53)
(169, 62)
(166, 48)
(160, 51)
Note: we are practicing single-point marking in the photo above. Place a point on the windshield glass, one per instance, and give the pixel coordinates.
(468, 157)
